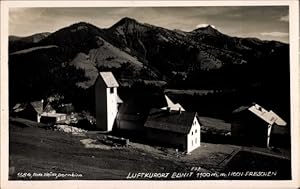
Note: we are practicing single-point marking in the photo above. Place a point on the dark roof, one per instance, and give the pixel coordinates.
(171, 121)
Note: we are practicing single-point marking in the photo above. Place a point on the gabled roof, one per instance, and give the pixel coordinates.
(175, 121)
(48, 108)
(109, 79)
(268, 116)
(37, 106)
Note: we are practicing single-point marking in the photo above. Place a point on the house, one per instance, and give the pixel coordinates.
(178, 129)
(36, 111)
(107, 101)
(254, 124)
(29, 111)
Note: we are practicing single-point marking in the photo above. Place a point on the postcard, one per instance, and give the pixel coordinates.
(150, 94)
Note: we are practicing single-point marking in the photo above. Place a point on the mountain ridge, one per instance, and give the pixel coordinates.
(202, 58)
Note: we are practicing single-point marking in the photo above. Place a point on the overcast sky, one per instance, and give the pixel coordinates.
(270, 23)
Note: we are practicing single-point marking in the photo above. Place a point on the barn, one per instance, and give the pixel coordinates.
(255, 125)
(179, 129)
(135, 109)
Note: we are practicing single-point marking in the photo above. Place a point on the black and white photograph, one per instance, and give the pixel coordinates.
(150, 93)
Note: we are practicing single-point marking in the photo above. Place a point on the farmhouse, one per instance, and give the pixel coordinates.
(178, 129)
(29, 111)
(254, 124)
(107, 101)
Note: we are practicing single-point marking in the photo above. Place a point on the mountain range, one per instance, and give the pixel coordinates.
(69, 60)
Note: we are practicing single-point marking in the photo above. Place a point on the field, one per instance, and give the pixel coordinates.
(41, 153)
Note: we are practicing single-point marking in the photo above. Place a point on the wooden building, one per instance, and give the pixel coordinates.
(254, 125)
(179, 129)
(29, 111)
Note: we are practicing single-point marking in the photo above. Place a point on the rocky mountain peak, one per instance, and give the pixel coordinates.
(129, 25)
(126, 21)
(209, 29)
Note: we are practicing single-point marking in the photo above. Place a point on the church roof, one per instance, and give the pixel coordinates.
(109, 79)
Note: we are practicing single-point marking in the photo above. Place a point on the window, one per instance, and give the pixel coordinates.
(192, 133)
(195, 140)
(196, 131)
(192, 143)
(112, 90)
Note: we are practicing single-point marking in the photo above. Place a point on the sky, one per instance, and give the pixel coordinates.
(263, 22)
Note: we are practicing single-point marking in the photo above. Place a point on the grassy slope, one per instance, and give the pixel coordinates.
(106, 56)
(34, 149)
(39, 150)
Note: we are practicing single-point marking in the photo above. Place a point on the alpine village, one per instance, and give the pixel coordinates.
(138, 101)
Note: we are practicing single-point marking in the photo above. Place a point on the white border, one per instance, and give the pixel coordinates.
(295, 75)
